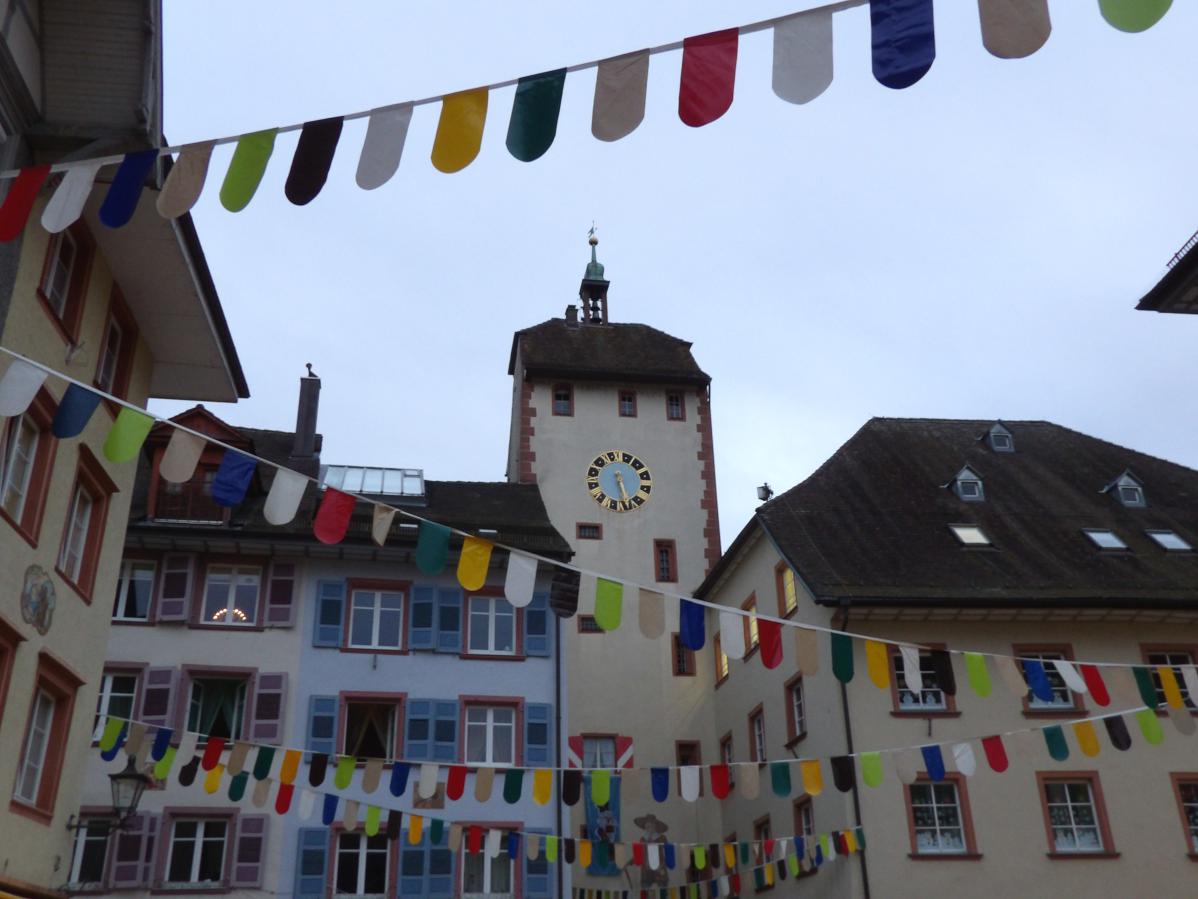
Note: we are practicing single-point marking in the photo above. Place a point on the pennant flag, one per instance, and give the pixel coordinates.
(74, 412)
(291, 763)
(312, 160)
(877, 663)
(1070, 675)
(689, 782)
(934, 761)
(563, 592)
(455, 782)
(283, 798)
(542, 786)
(1150, 726)
(532, 846)
(668, 852)
(343, 774)
(749, 781)
(332, 518)
(394, 824)
(513, 845)
(842, 657)
(66, 205)
(769, 639)
(162, 770)
(432, 547)
(286, 492)
(415, 829)
(181, 457)
(19, 386)
(803, 56)
(691, 630)
(380, 524)
(162, 742)
(459, 130)
(349, 820)
(912, 673)
(436, 831)
(600, 783)
(232, 478)
(572, 787)
(399, 779)
(373, 814)
(977, 674)
(708, 76)
(1116, 731)
(660, 782)
(1054, 739)
(551, 849)
(535, 110)
(844, 774)
(1037, 679)
(584, 853)
(111, 736)
(1182, 720)
(1087, 738)
(426, 786)
(237, 784)
(521, 579)
(620, 88)
(513, 785)
(1012, 675)
(185, 180)
(746, 855)
(904, 41)
(18, 202)
(455, 838)
(237, 756)
(806, 650)
(1189, 676)
(473, 562)
(651, 613)
(328, 813)
(484, 782)
(871, 768)
(318, 766)
(247, 168)
(386, 133)
(942, 668)
(699, 854)
(721, 783)
(907, 765)
(212, 779)
(732, 635)
(1169, 686)
(1013, 29)
(121, 200)
(964, 759)
(779, 778)
(609, 599)
(813, 778)
(1133, 15)
(261, 793)
(568, 850)
(187, 774)
(212, 751)
(1146, 687)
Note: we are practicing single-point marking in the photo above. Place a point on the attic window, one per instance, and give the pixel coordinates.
(1000, 439)
(1104, 539)
(970, 534)
(375, 481)
(1170, 540)
(1128, 491)
(968, 486)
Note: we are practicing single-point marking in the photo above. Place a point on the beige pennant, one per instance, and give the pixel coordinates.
(621, 855)
(1013, 29)
(455, 837)
(806, 650)
(1183, 720)
(185, 182)
(371, 775)
(620, 87)
(137, 735)
(380, 527)
(237, 757)
(1012, 676)
(748, 780)
(651, 613)
(907, 765)
(350, 819)
(262, 792)
(484, 779)
(181, 457)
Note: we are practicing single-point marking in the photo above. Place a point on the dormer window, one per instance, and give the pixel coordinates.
(1128, 490)
(968, 486)
(1131, 495)
(1000, 439)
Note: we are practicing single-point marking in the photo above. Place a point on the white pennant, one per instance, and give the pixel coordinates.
(66, 205)
(803, 56)
(1189, 674)
(521, 579)
(689, 782)
(723, 885)
(285, 495)
(732, 635)
(493, 837)
(182, 456)
(19, 386)
(652, 856)
(307, 804)
(428, 780)
(1070, 675)
(383, 146)
(911, 671)
(964, 758)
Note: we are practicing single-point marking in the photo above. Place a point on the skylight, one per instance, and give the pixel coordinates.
(375, 481)
(970, 534)
(1170, 541)
(1104, 539)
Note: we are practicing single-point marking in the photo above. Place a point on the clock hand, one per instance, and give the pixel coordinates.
(620, 484)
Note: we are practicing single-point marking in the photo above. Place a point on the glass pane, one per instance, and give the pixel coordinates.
(501, 875)
(505, 640)
(182, 853)
(476, 743)
(372, 480)
(361, 627)
(472, 873)
(479, 628)
(1055, 792)
(389, 627)
(347, 867)
(1079, 792)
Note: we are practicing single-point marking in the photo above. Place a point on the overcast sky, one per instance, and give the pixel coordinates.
(971, 247)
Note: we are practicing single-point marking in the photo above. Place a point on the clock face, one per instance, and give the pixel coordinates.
(619, 481)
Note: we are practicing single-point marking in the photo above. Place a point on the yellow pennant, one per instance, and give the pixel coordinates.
(1087, 738)
(769, 875)
(542, 786)
(730, 856)
(813, 778)
(584, 853)
(291, 763)
(473, 563)
(212, 779)
(1169, 686)
(850, 840)
(415, 828)
(460, 130)
(877, 663)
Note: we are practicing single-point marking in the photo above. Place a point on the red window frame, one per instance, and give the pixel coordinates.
(567, 388)
(335, 833)
(1043, 778)
(10, 641)
(780, 586)
(950, 701)
(678, 651)
(806, 869)
(517, 622)
(69, 324)
(758, 711)
(91, 476)
(62, 684)
(1147, 648)
(399, 700)
(681, 416)
(588, 625)
(721, 662)
(671, 547)
(135, 670)
(368, 584)
(762, 830)
(1066, 652)
(620, 397)
(118, 311)
(513, 702)
(751, 645)
(200, 588)
(41, 413)
(971, 846)
(1178, 778)
(793, 734)
(166, 827)
(190, 673)
(679, 747)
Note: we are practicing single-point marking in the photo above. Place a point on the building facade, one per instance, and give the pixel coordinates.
(89, 302)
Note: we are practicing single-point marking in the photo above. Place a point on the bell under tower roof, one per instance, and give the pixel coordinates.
(593, 290)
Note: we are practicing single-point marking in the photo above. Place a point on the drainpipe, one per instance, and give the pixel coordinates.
(848, 739)
(557, 730)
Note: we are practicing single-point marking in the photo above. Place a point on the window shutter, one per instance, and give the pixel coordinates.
(413, 867)
(129, 867)
(445, 731)
(330, 613)
(439, 865)
(536, 874)
(537, 728)
(250, 851)
(312, 862)
(158, 696)
(270, 693)
(424, 614)
(322, 724)
(148, 858)
(536, 626)
(449, 620)
(174, 594)
(418, 740)
(280, 595)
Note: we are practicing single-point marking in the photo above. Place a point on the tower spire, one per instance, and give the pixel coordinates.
(593, 291)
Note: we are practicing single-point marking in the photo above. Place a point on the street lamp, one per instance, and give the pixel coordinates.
(127, 787)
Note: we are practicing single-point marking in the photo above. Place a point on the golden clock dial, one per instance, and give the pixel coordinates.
(619, 481)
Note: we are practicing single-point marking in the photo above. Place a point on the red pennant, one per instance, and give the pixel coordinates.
(734, 884)
(638, 854)
(474, 839)
(332, 520)
(769, 850)
(996, 753)
(21, 195)
(216, 745)
(721, 784)
(455, 783)
(708, 77)
(1093, 678)
(283, 799)
(769, 636)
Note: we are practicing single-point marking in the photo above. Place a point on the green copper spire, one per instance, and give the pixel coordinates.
(594, 270)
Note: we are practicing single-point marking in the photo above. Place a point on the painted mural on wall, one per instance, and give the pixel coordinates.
(603, 825)
(653, 830)
(38, 599)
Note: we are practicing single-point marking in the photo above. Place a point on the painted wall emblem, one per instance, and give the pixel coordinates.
(38, 599)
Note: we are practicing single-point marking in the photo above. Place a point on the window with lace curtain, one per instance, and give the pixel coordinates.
(370, 729)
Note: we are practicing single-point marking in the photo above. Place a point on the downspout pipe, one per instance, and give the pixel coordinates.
(557, 729)
(845, 604)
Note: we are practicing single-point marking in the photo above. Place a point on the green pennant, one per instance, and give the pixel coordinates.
(513, 785)
(842, 657)
(128, 433)
(535, 110)
(1146, 686)
(266, 758)
(780, 778)
(1054, 739)
(162, 769)
(977, 673)
(345, 771)
(373, 813)
(601, 847)
(792, 862)
(432, 547)
(700, 855)
(436, 830)
(246, 168)
(1133, 15)
(112, 732)
(600, 787)
(1150, 726)
(744, 853)
(871, 768)
(550, 849)
(609, 600)
(237, 786)
(860, 834)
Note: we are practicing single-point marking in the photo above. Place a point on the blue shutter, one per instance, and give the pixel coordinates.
(536, 874)
(445, 731)
(322, 724)
(413, 866)
(312, 862)
(330, 613)
(418, 739)
(537, 641)
(449, 620)
(439, 865)
(537, 733)
(422, 624)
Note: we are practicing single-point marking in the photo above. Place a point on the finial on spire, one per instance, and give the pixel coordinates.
(594, 269)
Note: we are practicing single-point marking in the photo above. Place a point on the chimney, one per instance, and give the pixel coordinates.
(305, 416)
(571, 314)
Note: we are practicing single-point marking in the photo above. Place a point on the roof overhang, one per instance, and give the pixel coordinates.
(1177, 291)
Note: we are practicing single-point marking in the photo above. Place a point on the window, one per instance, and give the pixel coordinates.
(1104, 539)
(563, 399)
(374, 481)
(968, 486)
(486, 877)
(1131, 495)
(969, 534)
(197, 851)
(761, 832)
(788, 598)
(627, 404)
(492, 626)
(110, 355)
(588, 625)
(491, 735)
(10, 639)
(231, 595)
(757, 735)
(57, 282)
(361, 865)
(930, 699)
(939, 818)
(1170, 541)
(804, 818)
(675, 407)
(133, 591)
(1129, 491)
(588, 531)
(1062, 697)
(74, 543)
(684, 658)
(598, 752)
(688, 752)
(665, 565)
(1074, 814)
(1171, 658)
(370, 729)
(117, 692)
(726, 749)
(1186, 787)
(216, 707)
(37, 741)
(376, 619)
(114, 367)
(752, 637)
(796, 712)
(1000, 439)
(89, 853)
(21, 437)
(47, 732)
(189, 501)
(721, 662)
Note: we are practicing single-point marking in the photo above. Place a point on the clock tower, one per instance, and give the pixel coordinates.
(612, 421)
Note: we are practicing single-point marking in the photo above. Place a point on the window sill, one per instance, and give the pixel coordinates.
(29, 538)
(1073, 855)
(1054, 713)
(796, 740)
(750, 651)
(190, 888)
(59, 326)
(375, 650)
(230, 628)
(912, 713)
(79, 591)
(723, 680)
(32, 812)
(944, 856)
(489, 657)
(135, 622)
